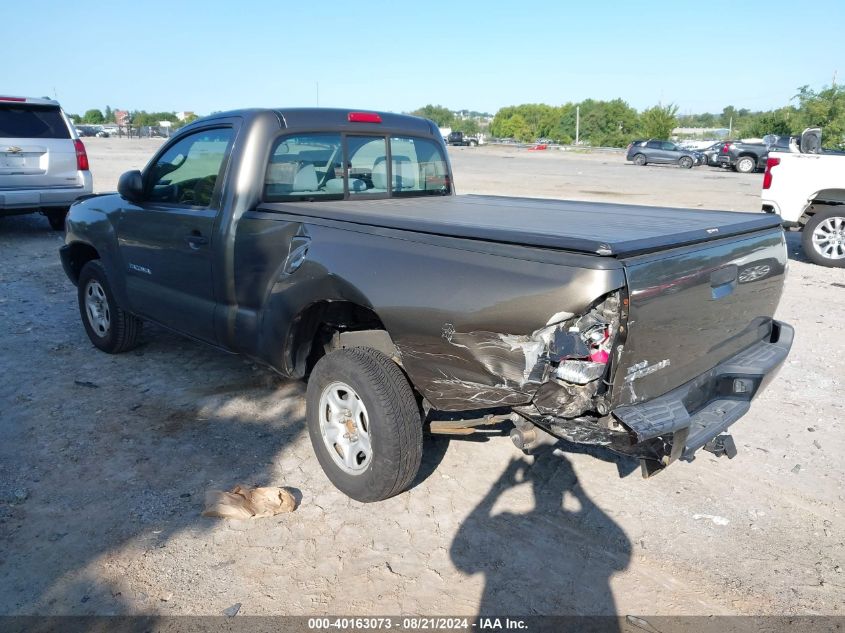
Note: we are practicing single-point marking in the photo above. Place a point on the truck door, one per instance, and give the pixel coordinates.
(166, 240)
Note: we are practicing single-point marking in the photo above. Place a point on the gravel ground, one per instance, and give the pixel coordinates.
(104, 461)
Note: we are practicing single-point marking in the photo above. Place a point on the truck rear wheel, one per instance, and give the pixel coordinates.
(364, 423)
(110, 328)
(745, 165)
(823, 237)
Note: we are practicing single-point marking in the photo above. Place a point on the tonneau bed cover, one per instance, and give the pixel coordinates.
(588, 227)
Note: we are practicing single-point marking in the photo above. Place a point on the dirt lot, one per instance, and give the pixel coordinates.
(104, 461)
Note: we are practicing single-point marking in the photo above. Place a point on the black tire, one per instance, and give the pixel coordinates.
(57, 219)
(123, 330)
(685, 162)
(746, 165)
(836, 214)
(640, 160)
(394, 425)
(473, 143)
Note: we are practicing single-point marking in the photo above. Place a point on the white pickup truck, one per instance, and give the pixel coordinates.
(807, 190)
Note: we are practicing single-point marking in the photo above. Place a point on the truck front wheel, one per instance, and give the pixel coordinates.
(823, 237)
(110, 328)
(364, 423)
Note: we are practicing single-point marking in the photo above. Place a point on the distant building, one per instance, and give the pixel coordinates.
(700, 132)
(184, 115)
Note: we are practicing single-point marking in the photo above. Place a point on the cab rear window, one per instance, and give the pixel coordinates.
(21, 120)
(332, 166)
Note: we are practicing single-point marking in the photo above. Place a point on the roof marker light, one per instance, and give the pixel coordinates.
(364, 117)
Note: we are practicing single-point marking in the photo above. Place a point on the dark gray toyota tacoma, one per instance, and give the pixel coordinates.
(329, 244)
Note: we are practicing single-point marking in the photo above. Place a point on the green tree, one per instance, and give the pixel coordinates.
(441, 115)
(467, 126)
(659, 121)
(188, 119)
(729, 116)
(511, 123)
(824, 109)
(108, 115)
(607, 123)
(761, 124)
(75, 118)
(93, 116)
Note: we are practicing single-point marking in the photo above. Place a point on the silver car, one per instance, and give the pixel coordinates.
(43, 164)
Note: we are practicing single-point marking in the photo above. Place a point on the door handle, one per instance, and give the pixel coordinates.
(195, 239)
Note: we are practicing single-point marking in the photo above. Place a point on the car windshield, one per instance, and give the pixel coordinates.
(331, 166)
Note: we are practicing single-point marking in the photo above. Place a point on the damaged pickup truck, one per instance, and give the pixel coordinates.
(330, 245)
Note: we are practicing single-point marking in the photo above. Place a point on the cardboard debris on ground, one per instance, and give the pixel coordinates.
(248, 503)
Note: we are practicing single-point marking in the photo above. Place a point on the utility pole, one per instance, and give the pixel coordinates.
(730, 127)
(577, 123)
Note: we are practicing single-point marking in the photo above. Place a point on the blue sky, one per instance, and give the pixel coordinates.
(399, 55)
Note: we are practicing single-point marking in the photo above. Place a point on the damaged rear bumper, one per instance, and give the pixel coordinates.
(678, 423)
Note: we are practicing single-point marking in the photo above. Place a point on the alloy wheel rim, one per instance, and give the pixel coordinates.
(345, 428)
(97, 308)
(829, 238)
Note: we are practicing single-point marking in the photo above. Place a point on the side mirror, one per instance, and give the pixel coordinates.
(131, 186)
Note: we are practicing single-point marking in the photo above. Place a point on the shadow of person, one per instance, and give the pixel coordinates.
(556, 559)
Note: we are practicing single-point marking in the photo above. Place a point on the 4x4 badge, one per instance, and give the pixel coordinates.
(14, 149)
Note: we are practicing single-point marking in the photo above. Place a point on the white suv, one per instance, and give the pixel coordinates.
(43, 164)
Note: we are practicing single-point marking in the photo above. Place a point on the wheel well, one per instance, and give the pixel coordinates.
(824, 198)
(315, 327)
(80, 254)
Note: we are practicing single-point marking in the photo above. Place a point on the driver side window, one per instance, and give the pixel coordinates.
(187, 172)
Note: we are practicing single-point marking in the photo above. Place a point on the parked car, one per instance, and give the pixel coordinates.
(661, 152)
(743, 157)
(604, 324)
(43, 164)
(711, 154)
(92, 131)
(459, 138)
(807, 190)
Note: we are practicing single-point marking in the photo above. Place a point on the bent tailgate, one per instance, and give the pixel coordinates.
(691, 308)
